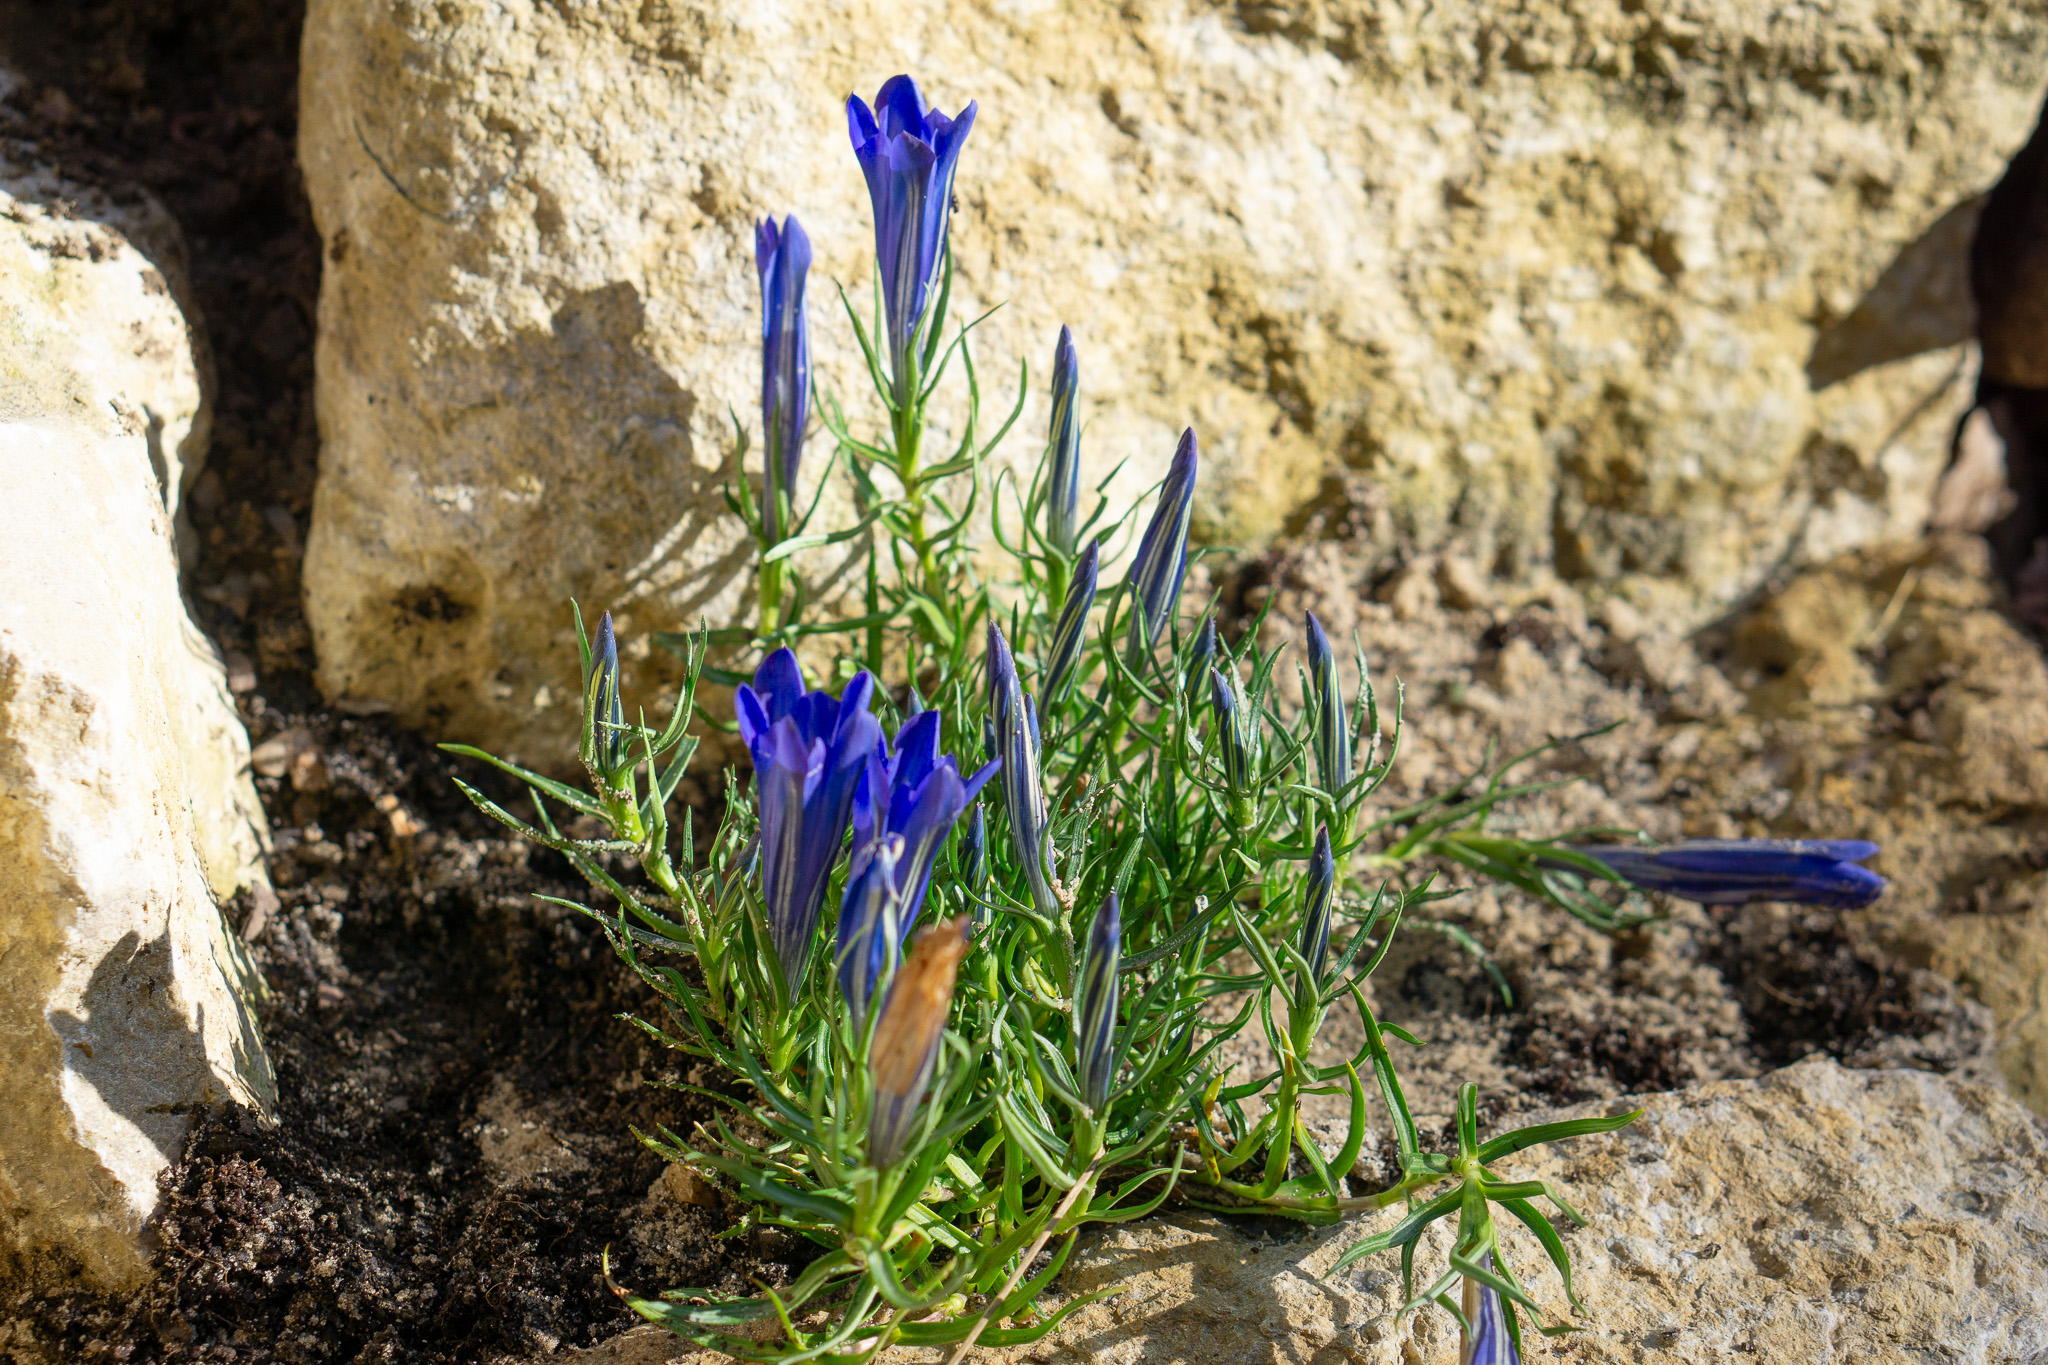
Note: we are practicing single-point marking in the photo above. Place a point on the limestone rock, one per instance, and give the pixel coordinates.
(1911, 1209)
(126, 809)
(1669, 295)
(1815, 1214)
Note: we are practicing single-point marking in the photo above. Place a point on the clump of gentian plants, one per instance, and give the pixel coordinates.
(1003, 886)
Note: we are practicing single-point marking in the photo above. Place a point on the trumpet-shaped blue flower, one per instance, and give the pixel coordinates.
(1162, 560)
(1318, 895)
(1013, 722)
(1333, 730)
(810, 752)
(1063, 450)
(871, 924)
(1735, 871)
(784, 258)
(1071, 631)
(606, 745)
(912, 795)
(1095, 998)
(908, 152)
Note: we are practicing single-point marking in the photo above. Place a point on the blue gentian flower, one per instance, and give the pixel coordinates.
(1013, 724)
(1095, 997)
(908, 152)
(1070, 632)
(1318, 895)
(871, 924)
(1333, 729)
(914, 795)
(783, 258)
(810, 751)
(1063, 450)
(905, 1048)
(605, 742)
(1735, 871)
(1491, 1342)
(1162, 560)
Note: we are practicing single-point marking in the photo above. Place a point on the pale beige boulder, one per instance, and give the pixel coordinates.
(1662, 296)
(126, 809)
(1815, 1214)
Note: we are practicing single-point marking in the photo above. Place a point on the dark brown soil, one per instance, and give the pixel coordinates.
(456, 1090)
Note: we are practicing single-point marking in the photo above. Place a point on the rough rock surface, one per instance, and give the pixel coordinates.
(1815, 1214)
(1664, 298)
(126, 809)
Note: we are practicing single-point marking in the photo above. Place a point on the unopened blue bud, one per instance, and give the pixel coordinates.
(1071, 631)
(1015, 721)
(871, 925)
(606, 742)
(1491, 1342)
(1201, 655)
(1736, 871)
(1063, 451)
(1095, 1001)
(1318, 895)
(1333, 730)
(784, 259)
(1237, 732)
(905, 1048)
(1162, 560)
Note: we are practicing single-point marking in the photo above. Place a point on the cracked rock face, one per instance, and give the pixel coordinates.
(1664, 299)
(126, 810)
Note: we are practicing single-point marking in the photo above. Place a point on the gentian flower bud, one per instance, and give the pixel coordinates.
(871, 925)
(1095, 999)
(1072, 628)
(783, 258)
(1063, 451)
(905, 1048)
(604, 715)
(1318, 895)
(913, 794)
(1333, 730)
(1490, 1343)
(908, 152)
(1736, 871)
(810, 751)
(1237, 732)
(974, 851)
(1162, 560)
(1202, 655)
(1015, 722)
